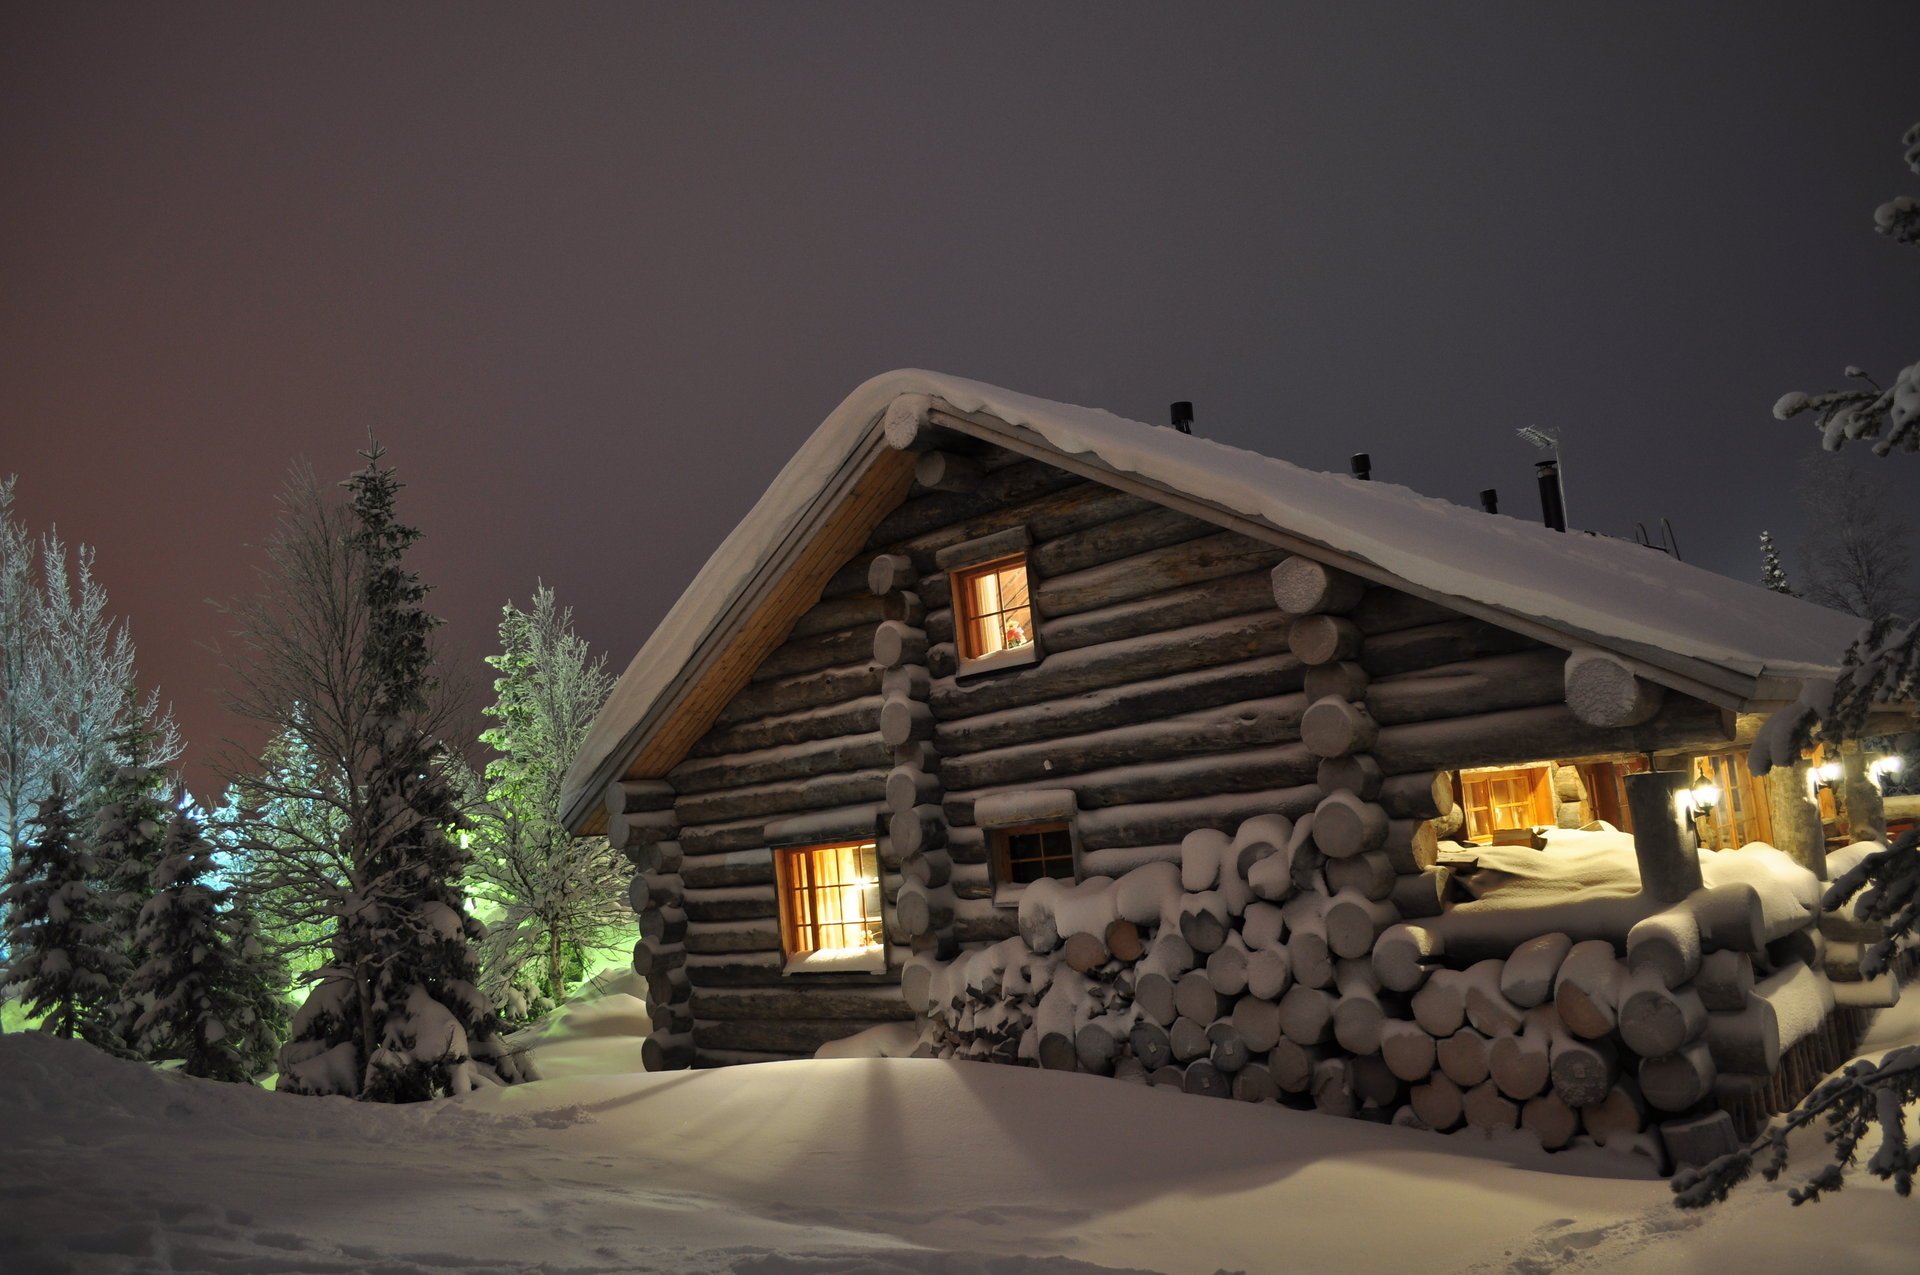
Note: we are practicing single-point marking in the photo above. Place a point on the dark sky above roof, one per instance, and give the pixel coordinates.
(594, 272)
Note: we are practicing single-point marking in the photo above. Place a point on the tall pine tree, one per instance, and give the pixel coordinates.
(208, 996)
(128, 833)
(397, 1015)
(61, 955)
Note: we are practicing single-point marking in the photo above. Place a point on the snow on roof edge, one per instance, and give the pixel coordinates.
(1608, 589)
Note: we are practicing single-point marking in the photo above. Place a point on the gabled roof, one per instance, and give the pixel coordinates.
(1733, 643)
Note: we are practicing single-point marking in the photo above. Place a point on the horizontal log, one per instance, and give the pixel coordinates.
(967, 515)
(1125, 703)
(1211, 557)
(1160, 823)
(1179, 779)
(853, 611)
(783, 762)
(1418, 795)
(1227, 728)
(663, 926)
(1385, 610)
(789, 797)
(1520, 680)
(1323, 639)
(1302, 586)
(1528, 734)
(945, 471)
(768, 969)
(833, 721)
(1357, 773)
(639, 828)
(794, 1034)
(653, 856)
(1157, 528)
(1430, 645)
(713, 937)
(787, 695)
(1095, 668)
(667, 1052)
(1335, 727)
(798, 1000)
(895, 645)
(652, 958)
(742, 867)
(1342, 679)
(1603, 690)
(732, 903)
(797, 656)
(630, 796)
(1155, 613)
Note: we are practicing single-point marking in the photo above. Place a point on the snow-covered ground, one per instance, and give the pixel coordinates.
(851, 1165)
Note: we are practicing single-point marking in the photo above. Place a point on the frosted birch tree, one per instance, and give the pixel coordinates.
(558, 894)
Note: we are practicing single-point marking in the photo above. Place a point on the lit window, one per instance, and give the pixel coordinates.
(993, 613)
(1024, 855)
(1507, 800)
(830, 908)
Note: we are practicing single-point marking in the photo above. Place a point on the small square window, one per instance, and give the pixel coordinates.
(993, 614)
(830, 917)
(1024, 855)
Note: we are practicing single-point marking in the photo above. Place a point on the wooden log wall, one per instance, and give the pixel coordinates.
(1190, 678)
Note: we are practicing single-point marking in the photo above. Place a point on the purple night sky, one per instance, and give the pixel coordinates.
(593, 272)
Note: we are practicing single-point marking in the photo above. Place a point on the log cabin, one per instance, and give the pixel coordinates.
(1052, 737)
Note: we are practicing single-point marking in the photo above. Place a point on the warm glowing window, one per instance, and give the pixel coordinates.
(1506, 800)
(993, 612)
(830, 908)
(1740, 814)
(1024, 855)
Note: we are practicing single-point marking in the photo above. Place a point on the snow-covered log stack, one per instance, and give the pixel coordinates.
(641, 824)
(1254, 968)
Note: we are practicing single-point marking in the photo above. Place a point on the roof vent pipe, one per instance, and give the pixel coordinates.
(1362, 465)
(1490, 500)
(1553, 508)
(1183, 417)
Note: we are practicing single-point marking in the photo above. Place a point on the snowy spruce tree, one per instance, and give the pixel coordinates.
(558, 895)
(1772, 574)
(1882, 667)
(344, 653)
(126, 837)
(208, 997)
(61, 956)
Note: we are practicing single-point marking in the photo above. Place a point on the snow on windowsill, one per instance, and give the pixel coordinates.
(1011, 657)
(839, 960)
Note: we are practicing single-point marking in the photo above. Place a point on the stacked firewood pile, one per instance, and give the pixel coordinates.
(1244, 971)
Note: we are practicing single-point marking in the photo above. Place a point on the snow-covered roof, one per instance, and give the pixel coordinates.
(1595, 590)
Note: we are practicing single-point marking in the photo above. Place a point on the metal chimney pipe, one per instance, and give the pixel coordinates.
(1362, 465)
(1182, 417)
(1490, 500)
(1553, 508)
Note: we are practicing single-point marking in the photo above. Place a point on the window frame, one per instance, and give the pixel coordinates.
(1003, 854)
(1539, 796)
(967, 561)
(786, 890)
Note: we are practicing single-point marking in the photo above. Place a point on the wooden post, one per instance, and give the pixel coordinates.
(1796, 818)
(1866, 814)
(1669, 861)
